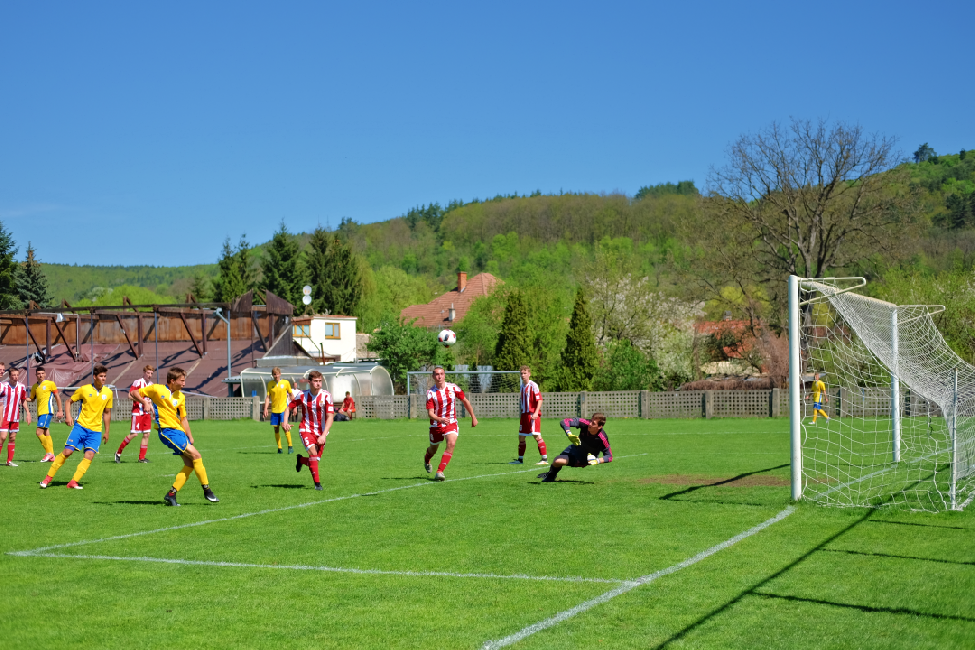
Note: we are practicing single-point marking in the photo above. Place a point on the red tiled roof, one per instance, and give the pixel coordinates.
(435, 313)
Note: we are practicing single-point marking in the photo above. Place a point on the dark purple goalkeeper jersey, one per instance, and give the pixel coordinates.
(594, 445)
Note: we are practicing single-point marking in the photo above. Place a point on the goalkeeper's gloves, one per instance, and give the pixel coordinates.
(592, 460)
(573, 438)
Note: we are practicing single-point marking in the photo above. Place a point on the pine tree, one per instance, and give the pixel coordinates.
(237, 275)
(579, 359)
(200, 288)
(514, 348)
(281, 265)
(334, 274)
(8, 271)
(31, 281)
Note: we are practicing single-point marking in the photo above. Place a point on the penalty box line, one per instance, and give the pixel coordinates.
(629, 585)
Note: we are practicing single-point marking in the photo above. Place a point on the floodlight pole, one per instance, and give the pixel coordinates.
(895, 390)
(230, 387)
(795, 390)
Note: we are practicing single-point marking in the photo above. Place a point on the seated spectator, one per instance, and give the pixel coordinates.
(347, 412)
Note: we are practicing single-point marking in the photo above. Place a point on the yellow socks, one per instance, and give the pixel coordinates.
(56, 464)
(48, 443)
(180, 479)
(277, 437)
(201, 473)
(287, 433)
(82, 468)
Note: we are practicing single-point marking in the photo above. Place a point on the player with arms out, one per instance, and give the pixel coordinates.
(141, 418)
(531, 419)
(278, 397)
(317, 414)
(169, 405)
(585, 447)
(86, 436)
(441, 407)
(16, 395)
(818, 392)
(45, 393)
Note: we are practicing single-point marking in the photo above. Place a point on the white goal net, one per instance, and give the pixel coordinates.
(900, 430)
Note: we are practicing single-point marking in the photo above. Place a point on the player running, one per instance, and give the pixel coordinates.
(441, 407)
(278, 397)
(169, 405)
(86, 435)
(317, 414)
(590, 442)
(45, 393)
(818, 391)
(531, 419)
(141, 418)
(15, 394)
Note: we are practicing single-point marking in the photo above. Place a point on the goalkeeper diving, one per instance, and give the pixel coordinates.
(585, 448)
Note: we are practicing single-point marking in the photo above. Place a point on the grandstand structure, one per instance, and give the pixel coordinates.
(69, 341)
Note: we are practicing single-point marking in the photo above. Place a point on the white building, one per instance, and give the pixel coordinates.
(327, 338)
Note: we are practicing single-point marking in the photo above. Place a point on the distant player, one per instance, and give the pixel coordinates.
(169, 405)
(45, 393)
(347, 410)
(531, 419)
(86, 436)
(16, 395)
(819, 396)
(141, 418)
(585, 447)
(316, 419)
(278, 396)
(441, 407)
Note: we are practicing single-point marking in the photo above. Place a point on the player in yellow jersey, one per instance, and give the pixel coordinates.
(169, 405)
(45, 393)
(278, 398)
(819, 396)
(86, 435)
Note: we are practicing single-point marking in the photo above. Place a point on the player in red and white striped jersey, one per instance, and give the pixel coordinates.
(141, 418)
(317, 414)
(15, 394)
(442, 409)
(531, 418)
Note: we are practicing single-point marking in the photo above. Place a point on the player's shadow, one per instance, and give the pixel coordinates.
(282, 486)
(568, 480)
(153, 502)
(695, 488)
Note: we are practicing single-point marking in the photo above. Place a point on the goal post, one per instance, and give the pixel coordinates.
(471, 381)
(901, 426)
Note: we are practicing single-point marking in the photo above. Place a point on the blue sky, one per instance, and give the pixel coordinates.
(146, 133)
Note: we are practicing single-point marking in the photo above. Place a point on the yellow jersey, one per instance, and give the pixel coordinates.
(818, 388)
(280, 392)
(170, 407)
(93, 404)
(43, 392)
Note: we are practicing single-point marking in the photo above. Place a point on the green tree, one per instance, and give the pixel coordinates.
(282, 268)
(403, 347)
(682, 188)
(201, 288)
(334, 274)
(237, 273)
(31, 281)
(514, 347)
(625, 367)
(8, 271)
(924, 153)
(579, 358)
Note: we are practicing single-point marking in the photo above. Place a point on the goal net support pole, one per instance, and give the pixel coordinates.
(895, 391)
(795, 390)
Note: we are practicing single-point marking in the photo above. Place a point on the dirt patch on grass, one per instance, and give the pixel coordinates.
(753, 480)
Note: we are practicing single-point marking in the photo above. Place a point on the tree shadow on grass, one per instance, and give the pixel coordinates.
(695, 488)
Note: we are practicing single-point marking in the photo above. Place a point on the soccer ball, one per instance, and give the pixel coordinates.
(447, 338)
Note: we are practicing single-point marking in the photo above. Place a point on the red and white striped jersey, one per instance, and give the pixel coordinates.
(15, 395)
(137, 407)
(315, 409)
(531, 397)
(443, 403)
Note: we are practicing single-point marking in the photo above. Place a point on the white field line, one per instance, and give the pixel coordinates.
(299, 567)
(307, 504)
(631, 584)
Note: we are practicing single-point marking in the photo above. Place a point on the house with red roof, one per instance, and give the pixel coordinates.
(449, 309)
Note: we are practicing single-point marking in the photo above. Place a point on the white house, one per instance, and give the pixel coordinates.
(327, 338)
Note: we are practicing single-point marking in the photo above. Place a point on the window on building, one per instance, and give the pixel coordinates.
(331, 331)
(302, 331)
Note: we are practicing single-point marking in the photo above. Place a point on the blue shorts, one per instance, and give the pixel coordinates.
(578, 457)
(277, 419)
(44, 421)
(175, 440)
(817, 406)
(81, 438)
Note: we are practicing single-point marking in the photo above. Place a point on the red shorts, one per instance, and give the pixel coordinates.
(528, 426)
(12, 427)
(141, 423)
(437, 433)
(309, 440)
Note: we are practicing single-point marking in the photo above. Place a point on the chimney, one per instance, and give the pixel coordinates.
(461, 281)
(451, 314)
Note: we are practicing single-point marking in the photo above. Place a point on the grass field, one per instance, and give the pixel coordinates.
(687, 540)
